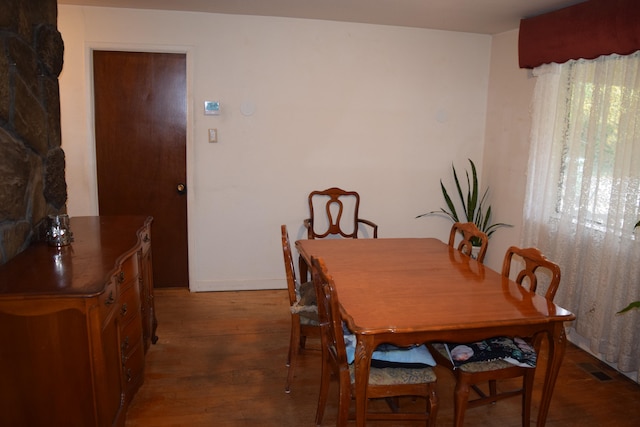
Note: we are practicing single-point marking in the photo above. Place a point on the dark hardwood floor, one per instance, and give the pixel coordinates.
(220, 361)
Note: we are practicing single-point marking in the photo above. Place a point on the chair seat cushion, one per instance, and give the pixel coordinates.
(387, 355)
(491, 365)
(309, 318)
(490, 354)
(307, 294)
(306, 303)
(389, 376)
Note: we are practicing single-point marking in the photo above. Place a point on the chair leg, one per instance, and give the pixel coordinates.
(325, 379)
(294, 349)
(527, 390)
(493, 390)
(433, 405)
(345, 399)
(461, 397)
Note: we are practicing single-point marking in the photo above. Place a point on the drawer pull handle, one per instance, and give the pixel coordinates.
(121, 277)
(123, 310)
(110, 300)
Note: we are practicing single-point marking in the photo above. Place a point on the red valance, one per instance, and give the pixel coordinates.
(585, 30)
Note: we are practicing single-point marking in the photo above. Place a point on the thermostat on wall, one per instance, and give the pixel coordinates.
(211, 108)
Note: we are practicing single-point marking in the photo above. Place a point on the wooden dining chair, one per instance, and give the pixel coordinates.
(387, 382)
(472, 238)
(303, 308)
(471, 374)
(334, 212)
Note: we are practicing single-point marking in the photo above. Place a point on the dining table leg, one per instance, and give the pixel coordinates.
(363, 352)
(557, 347)
(303, 269)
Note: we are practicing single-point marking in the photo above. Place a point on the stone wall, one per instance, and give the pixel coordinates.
(32, 181)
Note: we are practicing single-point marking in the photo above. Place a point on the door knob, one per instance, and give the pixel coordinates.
(181, 189)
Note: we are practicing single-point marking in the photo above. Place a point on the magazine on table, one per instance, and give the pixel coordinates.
(513, 350)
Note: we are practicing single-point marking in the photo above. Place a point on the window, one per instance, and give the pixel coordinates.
(583, 195)
(593, 140)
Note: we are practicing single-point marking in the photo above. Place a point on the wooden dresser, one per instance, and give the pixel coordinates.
(75, 324)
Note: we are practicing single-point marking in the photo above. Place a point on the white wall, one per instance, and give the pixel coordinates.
(377, 109)
(506, 149)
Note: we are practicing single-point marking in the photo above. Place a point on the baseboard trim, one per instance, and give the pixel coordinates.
(236, 285)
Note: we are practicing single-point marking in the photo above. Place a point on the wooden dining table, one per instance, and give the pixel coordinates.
(408, 291)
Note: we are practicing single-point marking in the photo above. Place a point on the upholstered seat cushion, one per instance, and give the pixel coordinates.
(388, 376)
(391, 355)
(307, 293)
(306, 299)
(306, 304)
(489, 355)
(309, 318)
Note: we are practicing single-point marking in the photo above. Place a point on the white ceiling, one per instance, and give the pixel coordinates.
(474, 16)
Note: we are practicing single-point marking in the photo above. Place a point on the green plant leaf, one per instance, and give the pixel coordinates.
(635, 304)
(452, 209)
(492, 228)
(484, 225)
(476, 211)
(472, 193)
(459, 188)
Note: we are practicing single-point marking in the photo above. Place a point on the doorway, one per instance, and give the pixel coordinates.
(140, 104)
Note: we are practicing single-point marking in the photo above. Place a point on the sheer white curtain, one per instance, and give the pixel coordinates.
(583, 196)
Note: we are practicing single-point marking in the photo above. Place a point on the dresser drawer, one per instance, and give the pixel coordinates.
(129, 303)
(128, 271)
(108, 299)
(133, 369)
(132, 353)
(130, 333)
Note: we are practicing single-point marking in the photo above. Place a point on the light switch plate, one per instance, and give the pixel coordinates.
(213, 135)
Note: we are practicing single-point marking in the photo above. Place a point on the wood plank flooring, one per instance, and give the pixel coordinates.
(220, 361)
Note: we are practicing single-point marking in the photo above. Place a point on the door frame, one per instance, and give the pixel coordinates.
(91, 149)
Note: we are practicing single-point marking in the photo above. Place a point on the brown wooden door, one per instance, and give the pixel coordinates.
(140, 125)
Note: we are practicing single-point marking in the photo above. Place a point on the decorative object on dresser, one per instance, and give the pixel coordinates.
(75, 324)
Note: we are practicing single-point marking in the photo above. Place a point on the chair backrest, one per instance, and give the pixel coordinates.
(292, 282)
(335, 209)
(329, 315)
(471, 236)
(533, 260)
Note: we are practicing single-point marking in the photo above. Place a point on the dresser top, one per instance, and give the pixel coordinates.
(81, 268)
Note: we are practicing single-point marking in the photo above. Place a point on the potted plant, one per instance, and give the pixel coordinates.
(474, 208)
(634, 304)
